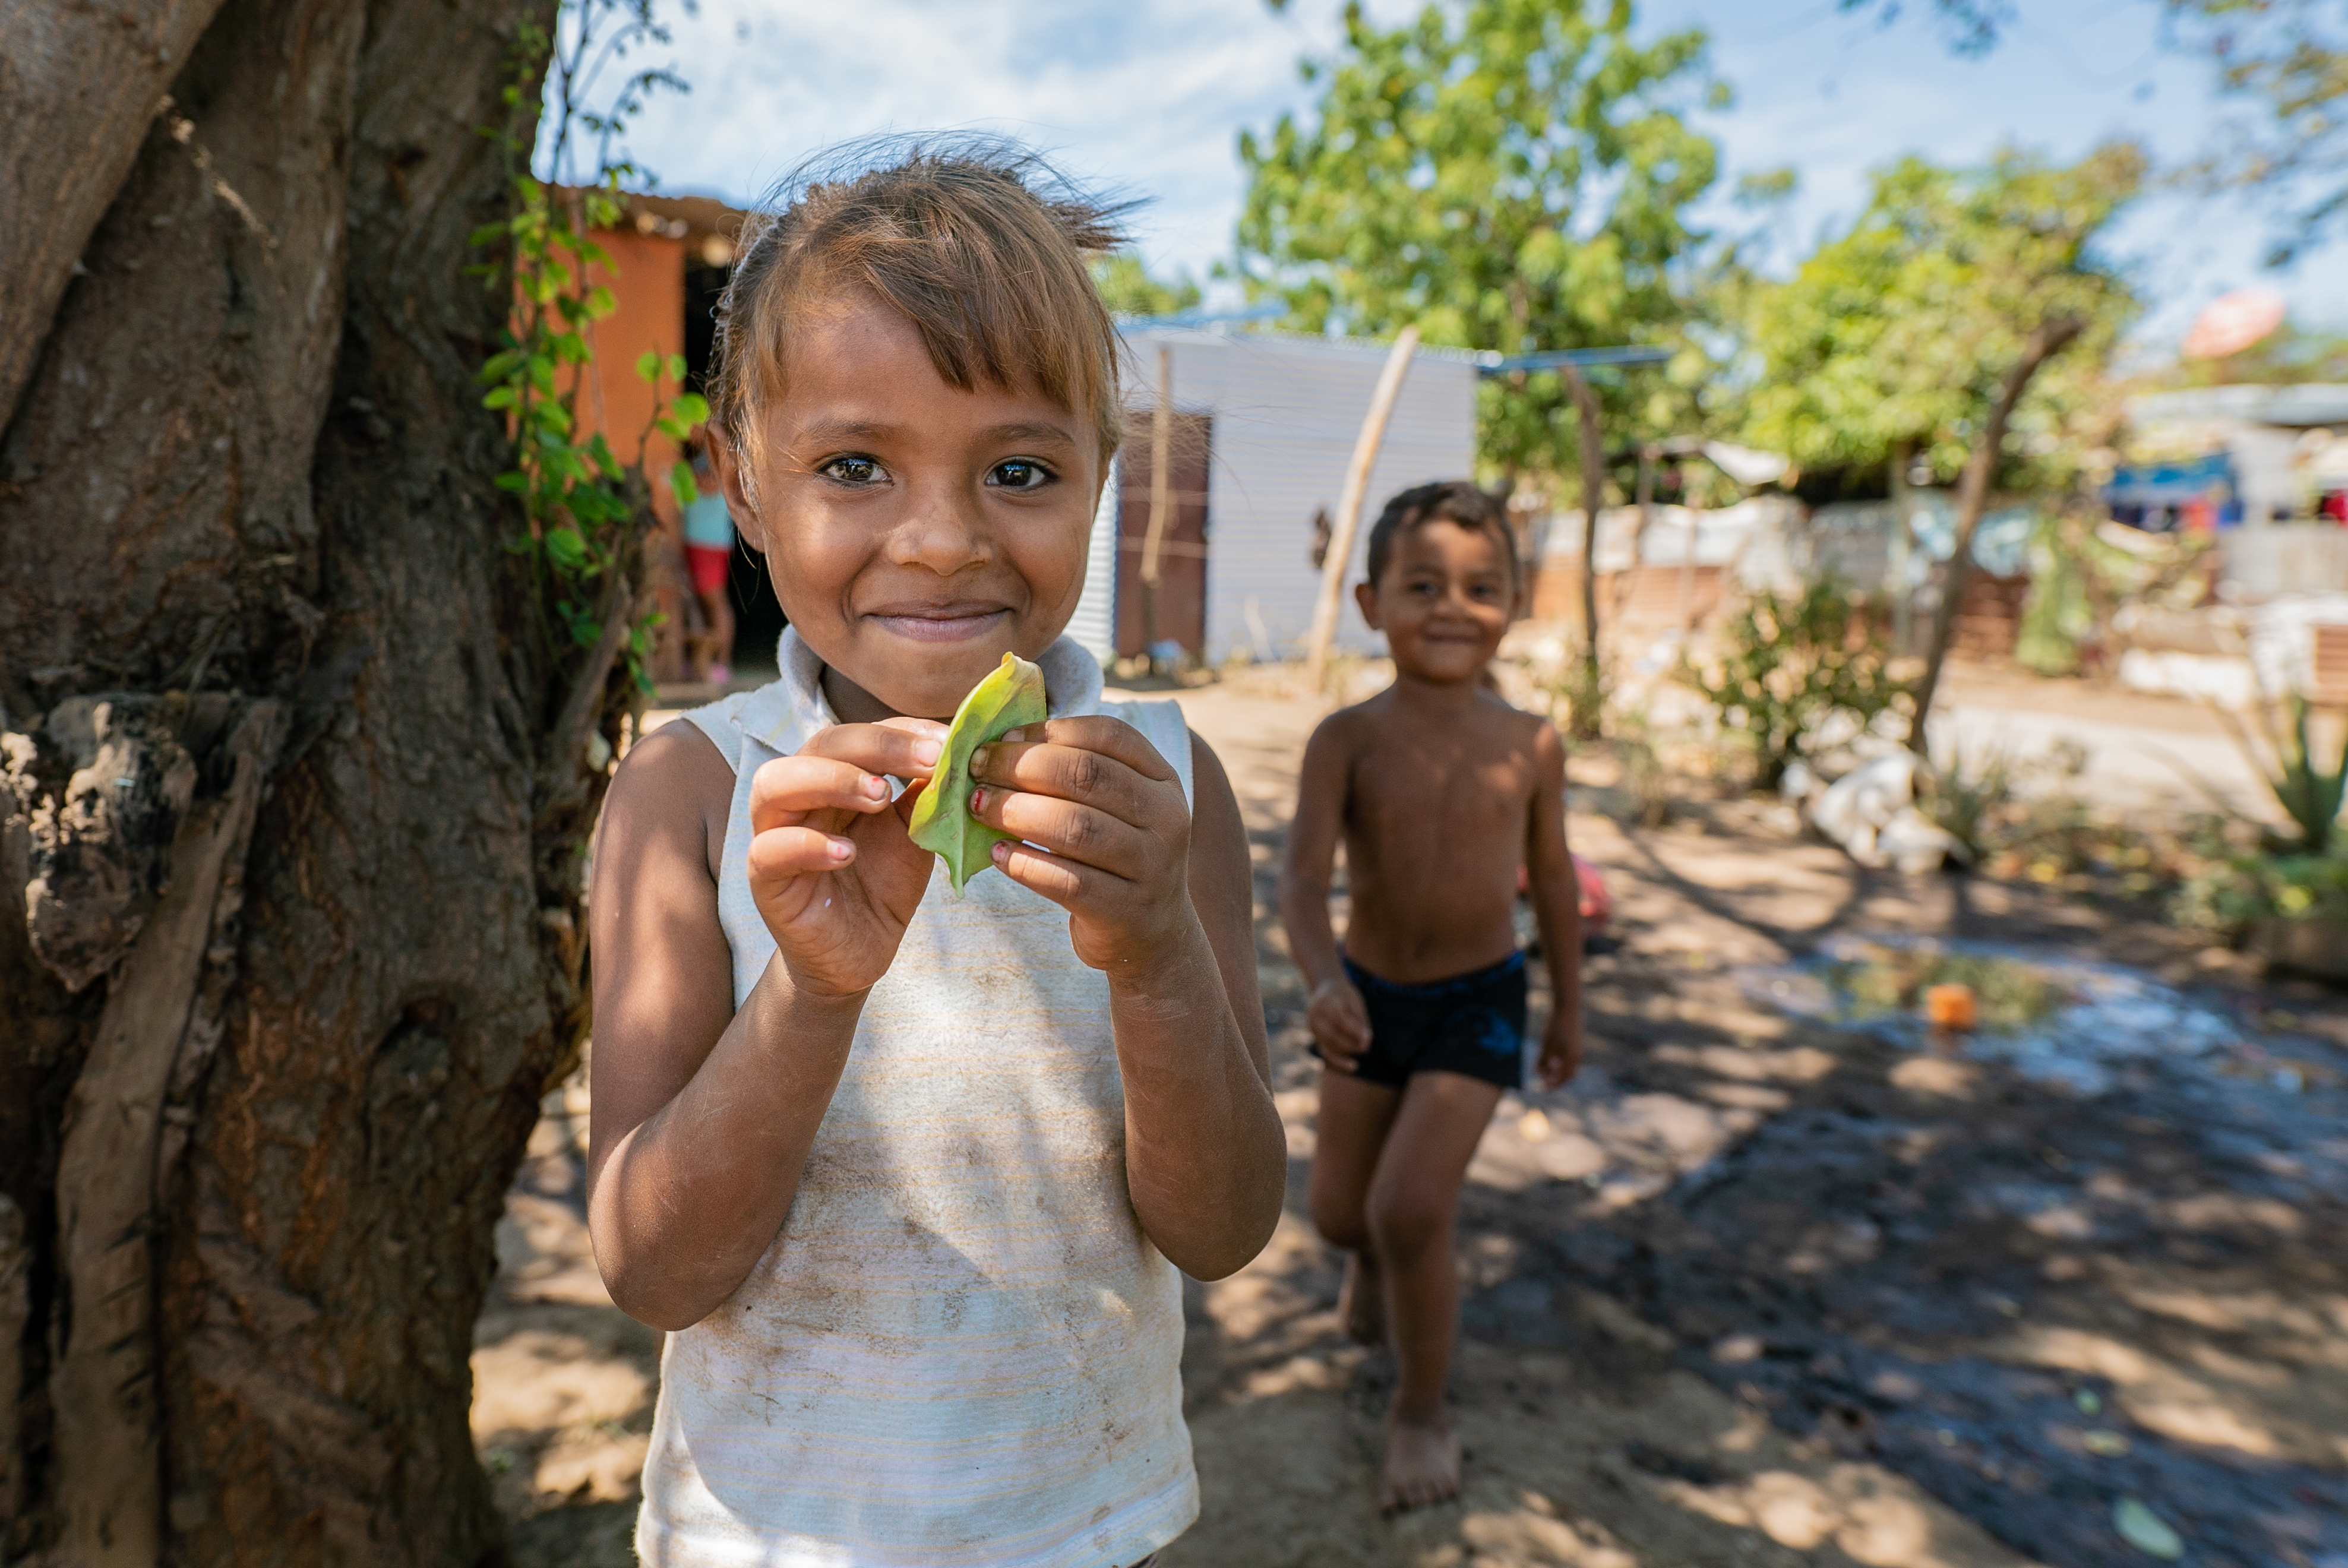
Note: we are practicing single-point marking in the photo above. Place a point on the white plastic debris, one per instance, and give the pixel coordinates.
(1871, 812)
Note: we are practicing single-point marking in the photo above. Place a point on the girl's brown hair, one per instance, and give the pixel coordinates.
(977, 242)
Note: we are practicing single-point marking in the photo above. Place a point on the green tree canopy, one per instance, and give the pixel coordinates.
(1900, 332)
(1128, 289)
(1510, 175)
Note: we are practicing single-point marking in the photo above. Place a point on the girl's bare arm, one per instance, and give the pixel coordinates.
(1159, 900)
(703, 1115)
(1205, 1156)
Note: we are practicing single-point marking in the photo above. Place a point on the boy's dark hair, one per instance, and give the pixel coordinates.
(1449, 501)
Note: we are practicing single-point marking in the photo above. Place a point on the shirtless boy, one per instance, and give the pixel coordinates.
(1440, 791)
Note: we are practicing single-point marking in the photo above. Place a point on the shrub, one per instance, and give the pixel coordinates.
(1790, 665)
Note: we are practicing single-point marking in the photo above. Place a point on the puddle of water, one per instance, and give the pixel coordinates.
(2055, 1020)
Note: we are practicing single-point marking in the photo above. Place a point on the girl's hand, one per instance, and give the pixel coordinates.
(1340, 1022)
(830, 867)
(1105, 831)
(1561, 1052)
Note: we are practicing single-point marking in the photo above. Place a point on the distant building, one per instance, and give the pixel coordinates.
(1264, 427)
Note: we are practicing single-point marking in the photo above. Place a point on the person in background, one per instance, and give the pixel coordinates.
(709, 554)
(1441, 792)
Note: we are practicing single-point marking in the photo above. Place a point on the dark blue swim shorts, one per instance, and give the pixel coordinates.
(1473, 1025)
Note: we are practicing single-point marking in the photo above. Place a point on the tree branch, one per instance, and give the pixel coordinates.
(2049, 339)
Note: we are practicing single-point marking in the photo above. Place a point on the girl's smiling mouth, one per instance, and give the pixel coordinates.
(952, 621)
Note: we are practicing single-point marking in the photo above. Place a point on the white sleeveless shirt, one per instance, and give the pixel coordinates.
(960, 1348)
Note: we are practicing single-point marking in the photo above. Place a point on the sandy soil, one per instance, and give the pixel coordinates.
(1753, 1290)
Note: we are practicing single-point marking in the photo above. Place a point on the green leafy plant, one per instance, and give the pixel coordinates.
(585, 513)
(1578, 691)
(1970, 797)
(1790, 665)
(2310, 790)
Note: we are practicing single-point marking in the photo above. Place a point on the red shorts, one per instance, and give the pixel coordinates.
(710, 565)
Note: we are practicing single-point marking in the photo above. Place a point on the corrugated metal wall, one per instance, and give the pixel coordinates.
(1093, 625)
(1286, 412)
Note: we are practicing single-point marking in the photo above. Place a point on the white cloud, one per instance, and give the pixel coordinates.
(1147, 98)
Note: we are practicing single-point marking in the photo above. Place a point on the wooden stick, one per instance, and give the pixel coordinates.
(1593, 499)
(1161, 496)
(1349, 506)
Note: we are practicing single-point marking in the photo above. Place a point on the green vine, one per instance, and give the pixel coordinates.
(585, 513)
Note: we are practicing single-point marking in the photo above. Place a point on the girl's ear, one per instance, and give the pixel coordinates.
(1365, 594)
(735, 484)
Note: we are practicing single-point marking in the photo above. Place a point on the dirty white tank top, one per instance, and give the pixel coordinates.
(961, 1349)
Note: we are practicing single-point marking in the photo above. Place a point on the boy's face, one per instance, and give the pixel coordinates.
(916, 532)
(1444, 602)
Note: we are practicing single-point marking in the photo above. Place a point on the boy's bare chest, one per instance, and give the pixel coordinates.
(1440, 787)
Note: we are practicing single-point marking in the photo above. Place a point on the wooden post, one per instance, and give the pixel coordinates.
(1593, 496)
(1349, 506)
(1162, 499)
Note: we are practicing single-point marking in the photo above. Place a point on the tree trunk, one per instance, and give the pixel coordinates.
(296, 856)
(2045, 341)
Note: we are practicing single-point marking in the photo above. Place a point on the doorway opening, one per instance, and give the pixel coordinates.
(759, 619)
(1178, 614)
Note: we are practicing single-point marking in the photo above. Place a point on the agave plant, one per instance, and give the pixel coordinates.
(2308, 791)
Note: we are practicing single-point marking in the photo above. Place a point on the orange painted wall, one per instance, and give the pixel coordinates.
(647, 282)
(648, 286)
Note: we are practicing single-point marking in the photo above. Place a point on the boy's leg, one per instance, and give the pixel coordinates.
(1348, 1135)
(1413, 1200)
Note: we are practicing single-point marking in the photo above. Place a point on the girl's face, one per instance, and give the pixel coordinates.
(915, 532)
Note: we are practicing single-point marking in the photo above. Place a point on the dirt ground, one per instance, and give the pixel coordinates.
(1755, 1289)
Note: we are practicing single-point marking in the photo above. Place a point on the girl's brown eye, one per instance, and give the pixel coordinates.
(1019, 474)
(851, 470)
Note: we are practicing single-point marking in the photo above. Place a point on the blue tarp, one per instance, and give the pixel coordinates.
(2209, 478)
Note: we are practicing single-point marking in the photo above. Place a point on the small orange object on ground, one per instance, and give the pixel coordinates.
(1951, 1006)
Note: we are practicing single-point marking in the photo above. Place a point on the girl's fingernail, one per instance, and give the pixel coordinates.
(1002, 852)
(875, 786)
(928, 751)
(1015, 736)
(840, 849)
(981, 759)
(977, 802)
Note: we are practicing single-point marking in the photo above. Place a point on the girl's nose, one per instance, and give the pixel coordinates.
(944, 532)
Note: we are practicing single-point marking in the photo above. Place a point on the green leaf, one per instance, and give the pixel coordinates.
(648, 364)
(512, 480)
(600, 302)
(692, 408)
(680, 479)
(2146, 1531)
(676, 367)
(499, 397)
(941, 823)
(568, 546)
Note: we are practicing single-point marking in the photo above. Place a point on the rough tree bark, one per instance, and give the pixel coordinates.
(2046, 340)
(288, 897)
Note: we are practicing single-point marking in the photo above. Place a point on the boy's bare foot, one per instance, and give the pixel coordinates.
(1361, 1301)
(1422, 1465)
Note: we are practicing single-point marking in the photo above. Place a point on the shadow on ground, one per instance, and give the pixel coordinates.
(1753, 1290)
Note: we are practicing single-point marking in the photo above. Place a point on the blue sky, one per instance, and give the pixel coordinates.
(1147, 96)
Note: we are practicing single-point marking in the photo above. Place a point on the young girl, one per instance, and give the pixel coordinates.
(908, 1176)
